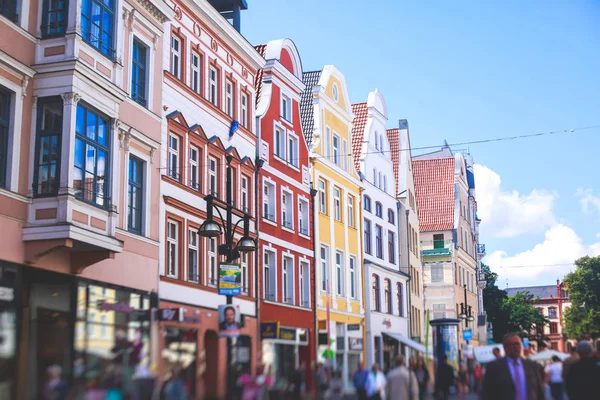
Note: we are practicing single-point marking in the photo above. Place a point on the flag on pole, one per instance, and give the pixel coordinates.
(233, 128)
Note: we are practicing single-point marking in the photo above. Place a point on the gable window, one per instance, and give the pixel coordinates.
(380, 184)
(172, 248)
(292, 150)
(288, 280)
(381, 144)
(92, 156)
(376, 141)
(400, 297)
(286, 108)
(304, 284)
(336, 204)
(350, 211)
(437, 273)
(387, 292)
(138, 73)
(244, 193)
(327, 143)
(176, 56)
(193, 256)
(244, 109)
(194, 175)
(213, 183)
(303, 217)
(4, 132)
(269, 276)
(336, 149)
(287, 209)
(213, 93)
(339, 272)
(212, 261)
(47, 161)
(353, 277)
(244, 262)
(324, 268)
(391, 247)
(367, 236)
(367, 203)
(378, 241)
(375, 297)
(279, 140)
(195, 67)
(54, 20)
(269, 201)
(135, 195)
(173, 156)
(336, 93)
(97, 18)
(229, 98)
(322, 197)
(391, 216)
(378, 209)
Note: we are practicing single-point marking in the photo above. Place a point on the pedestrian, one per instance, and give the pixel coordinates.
(379, 383)
(497, 353)
(401, 382)
(363, 382)
(511, 377)
(297, 381)
(555, 378)
(478, 375)
(583, 378)
(422, 375)
(444, 378)
(569, 362)
(174, 389)
(337, 386)
(321, 381)
(462, 382)
(56, 386)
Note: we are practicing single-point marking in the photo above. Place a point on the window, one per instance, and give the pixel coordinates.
(304, 284)
(135, 199)
(438, 241)
(269, 276)
(400, 298)
(91, 326)
(229, 98)
(376, 306)
(92, 156)
(138, 73)
(336, 149)
(172, 247)
(286, 279)
(213, 182)
(367, 203)
(54, 20)
(269, 201)
(336, 204)
(553, 327)
(213, 92)
(195, 81)
(287, 209)
(4, 132)
(391, 247)
(368, 236)
(344, 155)
(380, 184)
(327, 142)
(350, 211)
(322, 197)
(391, 216)
(97, 24)
(324, 268)
(292, 150)
(437, 273)
(244, 194)
(212, 261)
(8, 8)
(279, 141)
(286, 108)
(353, 277)
(378, 209)
(336, 94)
(376, 141)
(103, 327)
(387, 291)
(385, 183)
(173, 155)
(378, 241)
(303, 216)
(374, 177)
(244, 262)
(193, 256)
(244, 109)
(339, 272)
(552, 313)
(381, 144)
(193, 168)
(439, 310)
(47, 161)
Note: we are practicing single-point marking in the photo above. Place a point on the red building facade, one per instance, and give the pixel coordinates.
(286, 277)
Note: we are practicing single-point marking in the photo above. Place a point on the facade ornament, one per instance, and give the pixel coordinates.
(244, 73)
(154, 41)
(152, 151)
(130, 19)
(229, 59)
(70, 98)
(178, 12)
(214, 45)
(197, 29)
(24, 83)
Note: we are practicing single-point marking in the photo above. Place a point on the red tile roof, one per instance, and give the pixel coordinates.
(360, 112)
(393, 136)
(434, 187)
(262, 50)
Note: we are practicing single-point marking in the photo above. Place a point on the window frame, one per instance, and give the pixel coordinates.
(192, 232)
(327, 143)
(400, 298)
(379, 241)
(244, 190)
(141, 164)
(350, 210)
(107, 51)
(378, 209)
(245, 283)
(229, 96)
(279, 142)
(391, 246)
(287, 287)
(324, 250)
(336, 148)
(172, 271)
(293, 144)
(213, 176)
(173, 157)
(304, 284)
(270, 212)
(375, 293)
(196, 76)
(303, 216)
(141, 67)
(244, 110)
(40, 135)
(213, 86)
(322, 197)
(367, 237)
(367, 203)
(391, 216)
(286, 108)
(45, 27)
(439, 271)
(287, 209)
(212, 255)
(339, 273)
(387, 293)
(337, 204)
(5, 133)
(353, 276)
(194, 166)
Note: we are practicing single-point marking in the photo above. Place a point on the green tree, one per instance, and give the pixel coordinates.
(522, 315)
(583, 284)
(493, 300)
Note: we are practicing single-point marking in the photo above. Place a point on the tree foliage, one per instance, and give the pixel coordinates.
(583, 284)
(522, 315)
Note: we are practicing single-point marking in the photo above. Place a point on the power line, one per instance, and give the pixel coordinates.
(534, 266)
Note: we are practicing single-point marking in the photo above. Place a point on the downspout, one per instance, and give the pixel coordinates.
(313, 193)
(410, 316)
(257, 267)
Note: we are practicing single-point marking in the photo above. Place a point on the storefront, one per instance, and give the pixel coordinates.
(284, 349)
(8, 332)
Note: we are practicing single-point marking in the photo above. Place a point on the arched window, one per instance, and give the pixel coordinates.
(375, 298)
(400, 294)
(387, 287)
(378, 209)
(391, 216)
(367, 203)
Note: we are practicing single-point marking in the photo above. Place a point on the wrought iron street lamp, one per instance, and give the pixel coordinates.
(211, 229)
(466, 311)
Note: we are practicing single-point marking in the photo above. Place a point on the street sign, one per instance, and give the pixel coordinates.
(525, 342)
(467, 334)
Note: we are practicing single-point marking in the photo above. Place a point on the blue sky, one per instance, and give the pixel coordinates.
(469, 70)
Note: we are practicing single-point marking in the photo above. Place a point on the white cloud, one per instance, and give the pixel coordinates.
(510, 214)
(545, 262)
(588, 200)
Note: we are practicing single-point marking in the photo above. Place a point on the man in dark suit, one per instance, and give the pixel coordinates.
(512, 377)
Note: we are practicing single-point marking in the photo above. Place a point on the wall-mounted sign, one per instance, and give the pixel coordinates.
(387, 322)
(120, 307)
(467, 334)
(269, 330)
(354, 327)
(170, 314)
(230, 279)
(355, 344)
(287, 333)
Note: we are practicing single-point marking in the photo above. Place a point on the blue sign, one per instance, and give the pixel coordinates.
(526, 342)
(467, 334)
(269, 330)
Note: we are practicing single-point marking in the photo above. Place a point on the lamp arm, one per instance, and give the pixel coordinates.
(235, 227)
(220, 215)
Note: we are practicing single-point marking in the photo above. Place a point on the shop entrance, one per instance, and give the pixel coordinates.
(180, 352)
(211, 362)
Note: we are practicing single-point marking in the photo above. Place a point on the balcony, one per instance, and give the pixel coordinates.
(481, 250)
(436, 248)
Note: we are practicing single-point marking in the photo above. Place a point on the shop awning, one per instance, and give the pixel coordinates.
(409, 342)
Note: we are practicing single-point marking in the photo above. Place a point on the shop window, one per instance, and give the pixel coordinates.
(288, 280)
(139, 63)
(181, 351)
(352, 277)
(135, 200)
(172, 248)
(212, 261)
(324, 268)
(5, 111)
(339, 272)
(194, 172)
(350, 211)
(375, 295)
(367, 228)
(322, 197)
(193, 256)
(400, 297)
(304, 284)
(337, 209)
(173, 157)
(303, 216)
(49, 134)
(379, 241)
(54, 17)
(269, 201)
(97, 25)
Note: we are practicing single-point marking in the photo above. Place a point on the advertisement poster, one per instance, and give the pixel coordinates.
(445, 342)
(230, 279)
(229, 320)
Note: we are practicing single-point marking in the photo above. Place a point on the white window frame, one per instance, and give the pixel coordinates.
(195, 76)
(286, 108)
(270, 267)
(322, 196)
(337, 204)
(380, 184)
(376, 141)
(229, 97)
(213, 86)
(245, 277)
(172, 246)
(439, 270)
(213, 177)
(292, 149)
(350, 217)
(287, 208)
(339, 273)
(194, 167)
(269, 201)
(304, 283)
(353, 276)
(212, 262)
(385, 183)
(374, 177)
(336, 149)
(324, 250)
(244, 109)
(173, 155)
(279, 141)
(244, 199)
(287, 284)
(175, 57)
(193, 247)
(303, 220)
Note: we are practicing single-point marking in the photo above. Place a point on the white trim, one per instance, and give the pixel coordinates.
(15, 196)
(15, 133)
(150, 55)
(74, 232)
(147, 192)
(176, 241)
(272, 271)
(144, 239)
(290, 275)
(18, 68)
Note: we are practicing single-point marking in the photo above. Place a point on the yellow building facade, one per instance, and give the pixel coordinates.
(327, 125)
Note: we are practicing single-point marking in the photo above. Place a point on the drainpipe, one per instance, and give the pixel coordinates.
(410, 316)
(313, 193)
(257, 266)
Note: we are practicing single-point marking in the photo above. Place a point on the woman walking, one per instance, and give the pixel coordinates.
(555, 378)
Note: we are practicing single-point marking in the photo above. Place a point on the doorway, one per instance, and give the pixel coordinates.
(211, 367)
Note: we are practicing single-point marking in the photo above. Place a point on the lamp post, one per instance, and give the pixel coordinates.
(211, 229)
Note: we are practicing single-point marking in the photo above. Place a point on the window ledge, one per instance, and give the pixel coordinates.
(285, 228)
(304, 236)
(268, 221)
